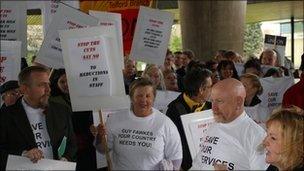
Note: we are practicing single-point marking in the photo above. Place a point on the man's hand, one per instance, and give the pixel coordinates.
(34, 154)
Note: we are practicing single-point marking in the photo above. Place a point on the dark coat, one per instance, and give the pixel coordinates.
(16, 134)
(176, 109)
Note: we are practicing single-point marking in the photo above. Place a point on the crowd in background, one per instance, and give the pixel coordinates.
(194, 80)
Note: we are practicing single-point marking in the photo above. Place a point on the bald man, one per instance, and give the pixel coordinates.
(234, 139)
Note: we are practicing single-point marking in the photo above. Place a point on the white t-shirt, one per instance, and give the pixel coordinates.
(235, 144)
(38, 125)
(141, 143)
(259, 114)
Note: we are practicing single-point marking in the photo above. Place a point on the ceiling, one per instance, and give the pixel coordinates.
(257, 11)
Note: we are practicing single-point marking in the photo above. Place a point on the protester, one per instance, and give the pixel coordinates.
(253, 66)
(253, 88)
(187, 57)
(295, 94)
(143, 138)
(269, 57)
(284, 141)
(232, 56)
(212, 66)
(226, 69)
(153, 73)
(234, 139)
(219, 56)
(34, 127)
(197, 84)
(169, 62)
(86, 156)
(9, 93)
(170, 80)
(178, 61)
(129, 73)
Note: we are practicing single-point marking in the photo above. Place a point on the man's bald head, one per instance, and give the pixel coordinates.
(228, 98)
(231, 86)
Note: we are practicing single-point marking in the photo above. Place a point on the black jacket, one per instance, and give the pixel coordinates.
(16, 134)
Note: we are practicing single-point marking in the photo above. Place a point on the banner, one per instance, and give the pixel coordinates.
(23, 163)
(108, 19)
(10, 60)
(278, 43)
(13, 23)
(273, 91)
(195, 125)
(65, 18)
(152, 34)
(91, 58)
(128, 10)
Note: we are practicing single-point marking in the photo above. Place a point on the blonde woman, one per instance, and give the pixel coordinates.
(284, 141)
(153, 73)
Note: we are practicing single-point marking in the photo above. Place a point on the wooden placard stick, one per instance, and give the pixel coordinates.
(104, 143)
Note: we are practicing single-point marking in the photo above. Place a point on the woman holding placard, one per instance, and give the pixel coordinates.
(142, 138)
(284, 141)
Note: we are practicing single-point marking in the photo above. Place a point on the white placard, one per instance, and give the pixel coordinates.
(163, 98)
(13, 22)
(108, 18)
(49, 8)
(23, 163)
(152, 34)
(195, 125)
(65, 18)
(273, 91)
(91, 79)
(76, 63)
(10, 60)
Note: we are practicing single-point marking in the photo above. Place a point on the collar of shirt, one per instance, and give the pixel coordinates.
(194, 106)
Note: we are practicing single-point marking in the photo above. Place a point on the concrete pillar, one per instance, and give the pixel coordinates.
(208, 26)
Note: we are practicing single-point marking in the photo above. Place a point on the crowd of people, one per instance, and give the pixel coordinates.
(36, 117)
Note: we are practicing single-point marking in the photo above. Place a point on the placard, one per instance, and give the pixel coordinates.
(49, 8)
(163, 98)
(152, 34)
(10, 60)
(13, 23)
(65, 18)
(273, 91)
(23, 163)
(108, 18)
(91, 58)
(128, 10)
(195, 125)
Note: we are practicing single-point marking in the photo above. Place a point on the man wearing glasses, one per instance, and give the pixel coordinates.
(9, 93)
